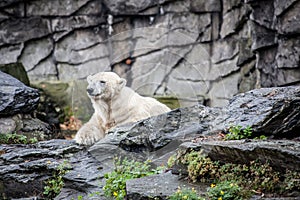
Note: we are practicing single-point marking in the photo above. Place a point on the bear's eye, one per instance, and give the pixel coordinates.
(102, 82)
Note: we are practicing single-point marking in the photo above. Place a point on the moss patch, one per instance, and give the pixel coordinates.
(171, 102)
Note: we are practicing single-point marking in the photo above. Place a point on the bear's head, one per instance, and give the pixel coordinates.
(104, 85)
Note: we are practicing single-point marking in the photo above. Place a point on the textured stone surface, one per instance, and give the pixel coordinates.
(205, 6)
(289, 21)
(233, 20)
(23, 30)
(34, 52)
(263, 13)
(15, 96)
(130, 7)
(271, 111)
(164, 41)
(53, 8)
(23, 168)
(288, 54)
(262, 37)
(161, 187)
(280, 154)
(16, 70)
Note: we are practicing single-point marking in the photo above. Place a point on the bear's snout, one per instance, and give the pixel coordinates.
(90, 91)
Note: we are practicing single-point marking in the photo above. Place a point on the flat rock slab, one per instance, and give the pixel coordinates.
(281, 154)
(158, 186)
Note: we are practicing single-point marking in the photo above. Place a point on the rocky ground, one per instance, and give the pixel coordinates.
(273, 112)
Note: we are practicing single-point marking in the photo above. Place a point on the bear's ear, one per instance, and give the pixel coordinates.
(122, 82)
(89, 78)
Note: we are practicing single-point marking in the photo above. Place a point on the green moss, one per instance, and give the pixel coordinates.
(16, 139)
(171, 102)
(16, 70)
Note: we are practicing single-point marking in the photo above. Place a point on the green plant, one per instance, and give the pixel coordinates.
(14, 138)
(79, 197)
(185, 194)
(226, 190)
(261, 137)
(171, 161)
(125, 170)
(291, 181)
(199, 166)
(54, 185)
(252, 177)
(33, 140)
(238, 133)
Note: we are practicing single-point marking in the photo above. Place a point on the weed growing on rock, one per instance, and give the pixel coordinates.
(261, 137)
(200, 167)
(55, 184)
(16, 139)
(225, 190)
(171, 161)
(125, 170)
(291, 181)
(185, 194)
(238, 133)
(253, 177)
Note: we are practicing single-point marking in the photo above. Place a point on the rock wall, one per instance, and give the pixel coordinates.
(196, 50)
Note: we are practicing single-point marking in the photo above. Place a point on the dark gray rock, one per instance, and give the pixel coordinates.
(261, 36)
(85, 178)
(33, 127)
(234, 20)
(54, 8)
(131, 7)
(16, 70)
(280, 154)
(245, 52)
(281, 6)
(158, 187)
(269, 111)
(26, 125)
(24, 29)
(288, 54)
(288, 23)
(156, 132)
(230, 4)
(24, 168)
(15, 97)
(8, 2)
(263, 13)
(205, 6)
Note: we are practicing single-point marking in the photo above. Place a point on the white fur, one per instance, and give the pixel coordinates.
(114, 104)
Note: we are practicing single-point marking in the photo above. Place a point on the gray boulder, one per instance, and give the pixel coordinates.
(280, 154)
(161, 187)
(16, 97)
(23, 168)
(270, 111)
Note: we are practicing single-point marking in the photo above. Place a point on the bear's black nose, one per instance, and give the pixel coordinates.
(90, 90)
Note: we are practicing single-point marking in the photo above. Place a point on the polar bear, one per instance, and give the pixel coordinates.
(114, 104)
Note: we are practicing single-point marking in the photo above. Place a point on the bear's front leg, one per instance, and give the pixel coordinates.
(90, 133)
